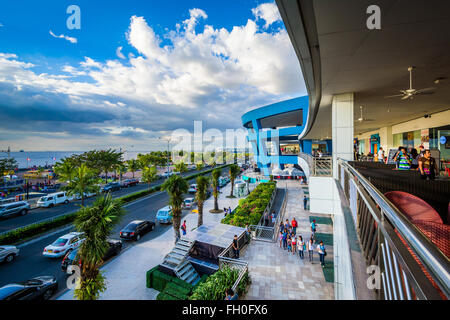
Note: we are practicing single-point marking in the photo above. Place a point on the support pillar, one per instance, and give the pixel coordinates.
(342, 124)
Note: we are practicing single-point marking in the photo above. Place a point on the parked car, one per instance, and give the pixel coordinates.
(86, 195)
(64, 244)
(129, 183)
(192, 188)
(8, 253)
(53, 199)
(189, 203)
(135, 229)
(164, 215)
(14, 208)
(114, 248)
(112, 186)
(39, 288)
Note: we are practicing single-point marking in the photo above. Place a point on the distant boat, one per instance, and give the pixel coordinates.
(21, 151)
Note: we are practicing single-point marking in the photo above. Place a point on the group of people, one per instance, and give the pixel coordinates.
(227, 211)
(421, 161)
(289, 241)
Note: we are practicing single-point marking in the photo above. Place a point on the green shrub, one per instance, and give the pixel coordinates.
(176, 291)
(182, 284)
(164, 296)
(215, 285)
(149, 277)
(250, 209)
(160, 280)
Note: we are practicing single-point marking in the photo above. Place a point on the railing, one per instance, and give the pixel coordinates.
(410, 265)
(268, 207)
(226, 259)
(318, 166)
(264, 233)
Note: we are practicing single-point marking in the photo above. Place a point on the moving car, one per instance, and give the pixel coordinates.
(192, 188)
(39, 288)
(64, 244)
(135, 229)
(53, 199)
(189, 203)
(164, 215)
(13, 208)
(8, 253)
(115, 246)
(129, 183)
(112, 186)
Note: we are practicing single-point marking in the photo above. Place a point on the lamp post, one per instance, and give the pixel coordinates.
(168, 152)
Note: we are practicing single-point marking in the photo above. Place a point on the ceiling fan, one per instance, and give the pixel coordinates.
(410, 93)
(361, 118)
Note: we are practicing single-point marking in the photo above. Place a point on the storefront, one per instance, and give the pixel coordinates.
(374, 143)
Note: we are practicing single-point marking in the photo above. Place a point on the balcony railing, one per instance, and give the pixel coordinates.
(318, 166)
(409, 264)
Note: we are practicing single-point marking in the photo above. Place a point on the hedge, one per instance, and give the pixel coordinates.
(41, 227)
(164, 296)
(250, 209)
(183, 284)
(160, 280)
(176, 291)
(149, 277)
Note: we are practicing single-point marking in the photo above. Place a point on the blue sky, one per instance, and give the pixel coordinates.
(134, 62)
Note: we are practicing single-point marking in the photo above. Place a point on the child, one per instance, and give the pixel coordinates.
(294, 244)
(289, 244)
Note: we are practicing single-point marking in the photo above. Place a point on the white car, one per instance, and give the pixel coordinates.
(63, 244)
(86, 195)
(8, 253)
(53, 199)
(189, 203)
(192, 188)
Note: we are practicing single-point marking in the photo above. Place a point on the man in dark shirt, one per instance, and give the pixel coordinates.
(428, 166)
(235, 247)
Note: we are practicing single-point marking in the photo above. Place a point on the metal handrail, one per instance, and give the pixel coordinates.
(435, 261)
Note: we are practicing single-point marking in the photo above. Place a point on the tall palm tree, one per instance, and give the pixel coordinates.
(133, 165)
(215, 185)
(175, 187)
(200, 196)
(84, 180)
(65, 169)
(97, 222)
(181, 167)
(234, 172)
(149, 174)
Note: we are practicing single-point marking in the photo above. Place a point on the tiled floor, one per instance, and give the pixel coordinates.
(279, 275)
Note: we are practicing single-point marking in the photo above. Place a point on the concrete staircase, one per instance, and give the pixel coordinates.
(177, 262)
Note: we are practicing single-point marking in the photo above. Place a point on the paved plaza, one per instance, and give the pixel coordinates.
(279, 275)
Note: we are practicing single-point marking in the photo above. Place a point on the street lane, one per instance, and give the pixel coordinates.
(30, 263)
(40, 214)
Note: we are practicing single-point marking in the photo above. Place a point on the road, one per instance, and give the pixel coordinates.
(37, 215)
(30, 263)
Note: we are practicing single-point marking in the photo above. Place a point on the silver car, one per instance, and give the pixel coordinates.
(18, 207)
(8, 253)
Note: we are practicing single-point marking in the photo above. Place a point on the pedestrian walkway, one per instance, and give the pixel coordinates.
(279, 275)
(125, 274)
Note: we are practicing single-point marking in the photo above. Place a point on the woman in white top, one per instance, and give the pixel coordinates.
(311, 250)
(300, 246)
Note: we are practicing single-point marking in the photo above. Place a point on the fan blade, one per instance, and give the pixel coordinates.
(425, 90)
(394, 96)
(406, 97)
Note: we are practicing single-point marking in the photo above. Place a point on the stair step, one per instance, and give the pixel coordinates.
(173, 260)
(188, 275)
(183, 251)
(168, 265)
(192, 278)
(183, 271)
(178, 254)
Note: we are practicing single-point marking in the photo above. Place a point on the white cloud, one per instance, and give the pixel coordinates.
(70, 39)
(119, 53)
(267, 12)
(201, 73)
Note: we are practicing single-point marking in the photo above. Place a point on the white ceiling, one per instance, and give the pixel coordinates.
(373, 63)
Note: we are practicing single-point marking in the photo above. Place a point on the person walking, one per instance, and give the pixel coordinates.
(311, 250)
(235, 247)
(281, 226)
(273, 219)
(313, 229)
(305, 202)
(230, 294)
(280, 238)
(289, 244)
(266, 219)
(381, 155)
(287, 225)
(285, 234)
(322, 253)
(300, 247)
(294, 226)
(183, 227)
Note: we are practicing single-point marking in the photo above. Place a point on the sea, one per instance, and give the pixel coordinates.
(29, 159)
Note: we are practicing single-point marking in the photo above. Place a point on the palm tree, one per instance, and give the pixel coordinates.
(200, 196)
(176, 186)
(199, 166)
(96, 222)
(181, 167)
(149, 174)
(215, 185)
(84, 181)
(133, 165)
(65, 169)
(234, 172)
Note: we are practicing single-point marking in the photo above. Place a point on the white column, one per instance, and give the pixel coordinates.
(342, 123)
(386, 139)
